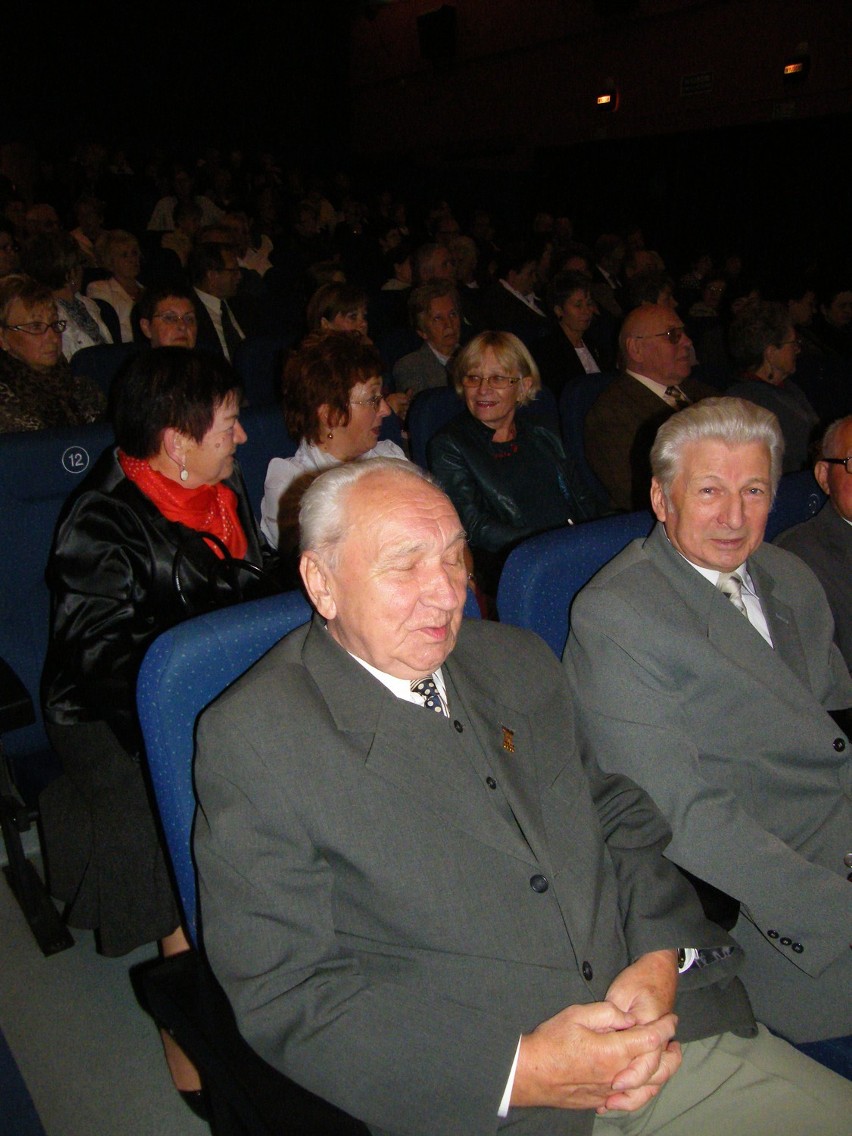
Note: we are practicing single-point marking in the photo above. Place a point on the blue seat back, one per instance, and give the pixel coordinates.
(268, 438)
(38, 471)
(102, 362)
(543, 574)
(799, 498)
(259, 361)
(575, 402)
(430, 411)
(183, 671)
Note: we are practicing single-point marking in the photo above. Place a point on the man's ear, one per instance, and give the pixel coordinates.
(318, 584)
(821, 474)
(658, 500)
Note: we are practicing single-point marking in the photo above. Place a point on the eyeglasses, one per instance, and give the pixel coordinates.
(795, 341)
(374, 401)
(672, 334)
(188, 318)
(497, 382)
(839, 461)
(38, 327)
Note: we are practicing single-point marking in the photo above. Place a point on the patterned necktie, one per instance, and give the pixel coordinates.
(681, 399)
(232, 336)
(428, 691)
(731, 585)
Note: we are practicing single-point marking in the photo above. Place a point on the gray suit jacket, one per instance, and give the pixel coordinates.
(390, 898)
(419, 371)
(825, 545)
(732, 740)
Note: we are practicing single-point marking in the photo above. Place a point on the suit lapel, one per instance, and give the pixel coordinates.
(731, 634)
(420, 753)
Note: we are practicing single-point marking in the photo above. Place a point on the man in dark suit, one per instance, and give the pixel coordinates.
(215, 274)
(825, 542)
(656, 356)
(703, 667)
(420, 904)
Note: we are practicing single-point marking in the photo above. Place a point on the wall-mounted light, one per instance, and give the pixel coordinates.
(797, 65)
(607, 96)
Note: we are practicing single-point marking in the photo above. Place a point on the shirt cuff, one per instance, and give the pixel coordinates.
(503, 1110)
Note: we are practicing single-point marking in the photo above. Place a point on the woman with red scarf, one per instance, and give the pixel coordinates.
(160, 530)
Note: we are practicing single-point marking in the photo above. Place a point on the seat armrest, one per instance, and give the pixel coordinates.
(16, 706)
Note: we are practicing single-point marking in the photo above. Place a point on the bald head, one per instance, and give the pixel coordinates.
(654, 344)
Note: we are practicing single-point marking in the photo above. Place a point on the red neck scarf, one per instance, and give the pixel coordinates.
(209, 508)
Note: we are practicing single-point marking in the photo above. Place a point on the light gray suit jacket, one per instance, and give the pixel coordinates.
(419, 371)
(732, 740)
(390, 898)
(825, 545)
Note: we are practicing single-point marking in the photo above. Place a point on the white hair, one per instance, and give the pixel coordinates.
(733, 421)
(323, 519)
(829, 438)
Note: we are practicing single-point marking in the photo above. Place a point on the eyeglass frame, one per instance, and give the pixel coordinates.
(679, 333)
(496, 382)
(189, 319)
(839, 461)
(54, 325)
(375, 400)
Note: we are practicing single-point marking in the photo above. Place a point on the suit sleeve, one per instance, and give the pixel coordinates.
(634, 718)
(301, 1000)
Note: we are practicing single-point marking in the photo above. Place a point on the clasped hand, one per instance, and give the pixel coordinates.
(614, 1054)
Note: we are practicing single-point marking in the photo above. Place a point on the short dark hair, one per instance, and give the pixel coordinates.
(565, 284)
(645, 288)
(50, 258)
(333, 299)
(171, 387)
(758, 326)
(146, 305)
(324, 370)
(208, 256)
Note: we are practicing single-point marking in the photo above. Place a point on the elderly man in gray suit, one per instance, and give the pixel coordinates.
(704, 668)
(825, 542)
(435, 314)
(419, 902)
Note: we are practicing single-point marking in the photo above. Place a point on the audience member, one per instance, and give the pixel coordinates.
(656, 357)
(37, 389)
(168, 317)
(162, 219)
(215, 275)
(439, 919)
(56, 259)
(825, 541)
(434, 312)
(118, 252)
(333, 405)
(510, 303)
(563, 354)
(703, 669)
(9, 249)
(507, 476)
(765, 346)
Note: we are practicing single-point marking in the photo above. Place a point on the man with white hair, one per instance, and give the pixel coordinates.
(420, 904)
(704, 669)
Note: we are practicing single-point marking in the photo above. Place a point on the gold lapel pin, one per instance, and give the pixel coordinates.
(508, 739)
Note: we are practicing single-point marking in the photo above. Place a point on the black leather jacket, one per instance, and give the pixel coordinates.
(112, 574)
(487, 484)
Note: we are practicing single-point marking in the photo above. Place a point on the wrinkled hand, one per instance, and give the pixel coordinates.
(595, 1056)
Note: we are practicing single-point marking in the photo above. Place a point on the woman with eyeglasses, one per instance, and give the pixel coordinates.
(507, 475)
(333, 405)
(37, 389)
(765, 346)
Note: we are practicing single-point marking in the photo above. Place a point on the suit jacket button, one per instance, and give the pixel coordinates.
(798, 948)
(839, 745)
(772, 934)
(785, 942)
(459, 727)
(539, 883)
(588, 973)
(490, 782)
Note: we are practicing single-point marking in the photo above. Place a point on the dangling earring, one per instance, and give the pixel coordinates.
(184, 474)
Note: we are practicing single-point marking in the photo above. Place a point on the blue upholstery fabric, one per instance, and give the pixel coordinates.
(543, 574)
(182, 673)
(258, 361)
(102, 362)
(799, 498)
(38, 471)
(430, 411)
(575, 402)
(267, 438)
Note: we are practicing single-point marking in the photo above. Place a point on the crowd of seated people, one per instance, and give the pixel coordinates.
(383, 308)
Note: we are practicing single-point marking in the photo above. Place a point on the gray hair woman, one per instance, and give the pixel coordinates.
(55, 259)
(119, 253)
